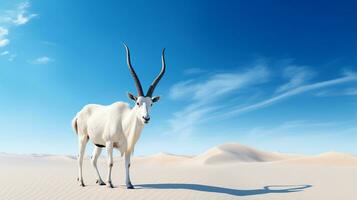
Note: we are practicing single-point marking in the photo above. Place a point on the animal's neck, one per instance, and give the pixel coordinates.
(133, 127)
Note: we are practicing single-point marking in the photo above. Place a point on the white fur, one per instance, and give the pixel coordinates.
(113, 126)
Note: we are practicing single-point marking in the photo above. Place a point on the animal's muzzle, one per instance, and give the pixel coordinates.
(146, 119)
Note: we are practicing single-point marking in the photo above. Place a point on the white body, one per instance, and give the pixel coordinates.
(116, 123)
(113, 126)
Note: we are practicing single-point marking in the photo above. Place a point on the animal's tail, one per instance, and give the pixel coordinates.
(74, 125)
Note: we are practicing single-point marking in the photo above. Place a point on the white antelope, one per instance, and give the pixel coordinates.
(115, 126)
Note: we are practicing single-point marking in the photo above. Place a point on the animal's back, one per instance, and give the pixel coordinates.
(93, 119)
(79, 121)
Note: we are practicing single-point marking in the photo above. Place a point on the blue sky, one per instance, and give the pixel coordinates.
(274, 75)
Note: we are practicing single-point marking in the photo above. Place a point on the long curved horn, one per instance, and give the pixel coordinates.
(157, 79)
(133, 74)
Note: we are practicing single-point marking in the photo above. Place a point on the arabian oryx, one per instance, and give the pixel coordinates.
(115, 126)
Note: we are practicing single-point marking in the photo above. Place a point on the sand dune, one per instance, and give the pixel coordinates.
(229, 171)
(234, 152)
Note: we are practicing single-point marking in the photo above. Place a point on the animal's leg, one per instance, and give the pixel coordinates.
(127, 167)
(96, 154)
(82, 142)
(109, 146)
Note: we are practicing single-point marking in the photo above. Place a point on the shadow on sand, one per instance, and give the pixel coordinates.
(235, 192)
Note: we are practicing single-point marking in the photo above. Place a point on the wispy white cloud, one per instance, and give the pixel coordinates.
(10, 18)
(218, 85)
(4, 53)
(347, 77)
(337, 92)
(41, 60)
(297, 75)
(184, 122)
(3, 40)
(17, 16)
(3, 31)
(181, 89)
(202, 95)
(21, 19)
(206, 97)
(8, 55)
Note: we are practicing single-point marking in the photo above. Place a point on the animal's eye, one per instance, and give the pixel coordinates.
(137, 103)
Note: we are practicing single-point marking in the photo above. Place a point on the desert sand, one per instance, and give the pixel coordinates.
(229, 171)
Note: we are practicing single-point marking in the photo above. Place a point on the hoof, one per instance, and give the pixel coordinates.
(100, 182)
(130, 186)
(110, 185)
(81, 183)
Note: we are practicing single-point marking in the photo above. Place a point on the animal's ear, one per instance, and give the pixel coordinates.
(155, 99)
(132, 97)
